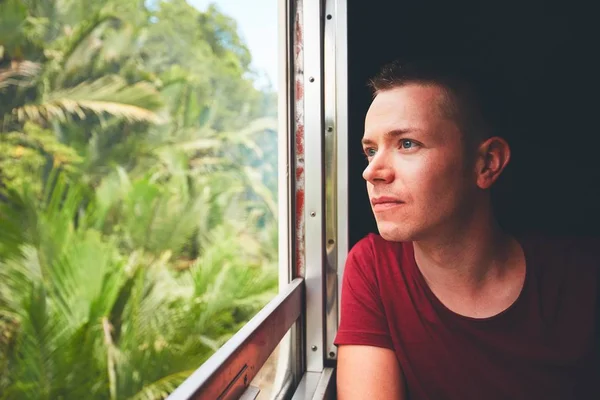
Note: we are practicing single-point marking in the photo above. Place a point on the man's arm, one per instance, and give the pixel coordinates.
(368, 372)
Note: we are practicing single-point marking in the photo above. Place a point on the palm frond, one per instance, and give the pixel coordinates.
(163, 387)
(254, 180)
(247, 135)
(69, 43)
(155, 216)
(225, 275)
(19, 73)
(17, 276)
(110, 355)
(14, 215)
(40, 334)
(109, 95)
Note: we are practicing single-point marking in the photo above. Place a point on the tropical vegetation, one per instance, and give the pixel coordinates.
(138, 223)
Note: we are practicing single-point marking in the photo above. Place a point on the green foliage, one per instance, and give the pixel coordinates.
(25, 156)
(137, 195)
(13, 14)
(107, 95)
(81, 316)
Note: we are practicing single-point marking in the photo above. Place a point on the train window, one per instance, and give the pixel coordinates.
(144, 198)
(304, 306)
(314, 48)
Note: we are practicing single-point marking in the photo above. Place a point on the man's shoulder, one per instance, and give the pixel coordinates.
(377, 262)
(377, 255)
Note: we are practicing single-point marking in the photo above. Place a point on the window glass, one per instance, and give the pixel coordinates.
(138, 190)
(276, 374)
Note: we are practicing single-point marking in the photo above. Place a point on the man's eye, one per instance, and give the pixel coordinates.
(370, 152)
(407, 144)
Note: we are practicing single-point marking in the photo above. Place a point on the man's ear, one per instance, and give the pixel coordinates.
(492, 157)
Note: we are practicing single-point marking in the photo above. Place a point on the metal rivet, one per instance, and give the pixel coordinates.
(331, 354)
(314, 348)
(329, 16)
(311, 79)
(313, 214)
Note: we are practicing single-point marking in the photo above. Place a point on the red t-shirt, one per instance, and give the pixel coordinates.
(544, 346)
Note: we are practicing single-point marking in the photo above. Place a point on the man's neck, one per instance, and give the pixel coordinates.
(470, 259)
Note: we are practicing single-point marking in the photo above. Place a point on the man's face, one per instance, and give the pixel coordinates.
(417, 178)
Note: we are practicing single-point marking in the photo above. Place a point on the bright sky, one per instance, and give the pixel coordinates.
(257, 24)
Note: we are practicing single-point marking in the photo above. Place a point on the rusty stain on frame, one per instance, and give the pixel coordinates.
(299, 136)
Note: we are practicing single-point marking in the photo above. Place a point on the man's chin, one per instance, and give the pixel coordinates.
(394, 233)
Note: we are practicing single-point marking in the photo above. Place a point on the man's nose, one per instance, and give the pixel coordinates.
(379, 170)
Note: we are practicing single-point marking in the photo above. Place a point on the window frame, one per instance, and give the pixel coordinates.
(228, 373)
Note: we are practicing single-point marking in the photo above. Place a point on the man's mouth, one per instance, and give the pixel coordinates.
(385, 203)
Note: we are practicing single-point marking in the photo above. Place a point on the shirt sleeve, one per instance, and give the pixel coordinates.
(362, 319)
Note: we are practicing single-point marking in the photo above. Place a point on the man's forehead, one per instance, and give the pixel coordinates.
(413, 97)
(408, 107)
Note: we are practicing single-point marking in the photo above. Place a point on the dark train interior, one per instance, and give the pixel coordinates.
(543, 57)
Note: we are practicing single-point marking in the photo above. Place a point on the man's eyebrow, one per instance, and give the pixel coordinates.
(389, 135)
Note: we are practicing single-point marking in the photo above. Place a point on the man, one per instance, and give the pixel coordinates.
(443, 304)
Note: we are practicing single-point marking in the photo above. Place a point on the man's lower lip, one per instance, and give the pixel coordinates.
(386, 206)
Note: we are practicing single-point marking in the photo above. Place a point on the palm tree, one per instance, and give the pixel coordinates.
(137, 232)
(40, 86)
(84, 319)
(60, 89)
